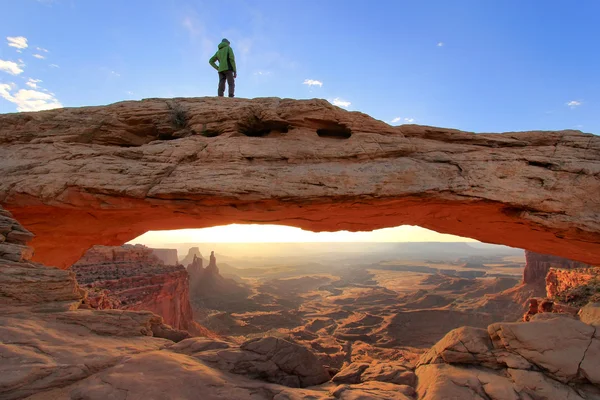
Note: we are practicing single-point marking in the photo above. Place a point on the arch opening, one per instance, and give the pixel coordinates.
(248, 280)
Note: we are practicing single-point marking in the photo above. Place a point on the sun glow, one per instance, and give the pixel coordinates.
(254, 233)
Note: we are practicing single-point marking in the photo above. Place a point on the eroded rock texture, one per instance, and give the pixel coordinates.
(115, 172)
(133, 278)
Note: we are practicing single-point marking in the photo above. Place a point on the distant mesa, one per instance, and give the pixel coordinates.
(168, 256)
(193, 252)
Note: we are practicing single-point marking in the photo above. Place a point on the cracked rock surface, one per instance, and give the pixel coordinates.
(554, 358)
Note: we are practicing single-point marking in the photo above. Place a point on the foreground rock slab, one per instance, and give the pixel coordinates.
(117, 171)
(553, 359)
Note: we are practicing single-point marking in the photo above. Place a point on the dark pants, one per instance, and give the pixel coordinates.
(226, 76)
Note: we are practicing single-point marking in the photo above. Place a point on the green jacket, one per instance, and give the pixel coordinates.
(225, 57)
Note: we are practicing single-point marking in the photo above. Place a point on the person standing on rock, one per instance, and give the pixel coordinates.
(226, 67)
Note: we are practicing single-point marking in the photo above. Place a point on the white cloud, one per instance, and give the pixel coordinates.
(41, 49)
(440, 44)
(54, 66)
(400, 119)
(29, 100)
(341, 103)
(11, 67)
(41, 57)
(312, 82)
(33, 83)
(18, 42)
(574, 103)
(114, 73)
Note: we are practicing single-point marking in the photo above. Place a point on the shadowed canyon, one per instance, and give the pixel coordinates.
(86, 316)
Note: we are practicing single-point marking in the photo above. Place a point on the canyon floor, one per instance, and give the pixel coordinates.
(348, 311)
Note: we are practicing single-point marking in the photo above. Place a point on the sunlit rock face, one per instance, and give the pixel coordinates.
(133, 278)
(114, 172)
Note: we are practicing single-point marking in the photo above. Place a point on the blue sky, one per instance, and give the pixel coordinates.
(476, 65)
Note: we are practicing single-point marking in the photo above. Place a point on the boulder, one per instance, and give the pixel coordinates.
(590, 314)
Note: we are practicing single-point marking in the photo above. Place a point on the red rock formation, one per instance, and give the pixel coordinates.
(112, 176)
(168, 256)
(559, 281)
(134, 278)
(538, 265)
(544, 305)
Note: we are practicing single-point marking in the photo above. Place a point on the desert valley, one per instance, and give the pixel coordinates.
(86, 315)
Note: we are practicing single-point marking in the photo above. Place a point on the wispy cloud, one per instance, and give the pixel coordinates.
(398, 120)
(19, 42)
(341, 103)
(312, 82)
(39, 56)
(11, 67)
(574, 103)
(440, 44)
(54, 66)
(28, 100)
(33, 83)
(262, 73)
(41, 49)
(115, 73)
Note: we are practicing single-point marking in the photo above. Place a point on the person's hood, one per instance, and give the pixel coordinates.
(223, 44)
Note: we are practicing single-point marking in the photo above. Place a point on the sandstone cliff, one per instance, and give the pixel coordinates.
(134, 278)
(117, 171)
(538, 265)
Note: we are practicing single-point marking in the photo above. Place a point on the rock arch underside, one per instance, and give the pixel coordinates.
(104, 175)
(73, 178)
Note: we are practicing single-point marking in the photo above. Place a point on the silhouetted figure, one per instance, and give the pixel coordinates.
(226, 68)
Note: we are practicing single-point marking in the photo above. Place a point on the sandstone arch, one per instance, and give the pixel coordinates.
(104, 175)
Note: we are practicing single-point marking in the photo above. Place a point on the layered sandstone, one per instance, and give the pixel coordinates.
(537, 266)
(133, 278)
(117, 171)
